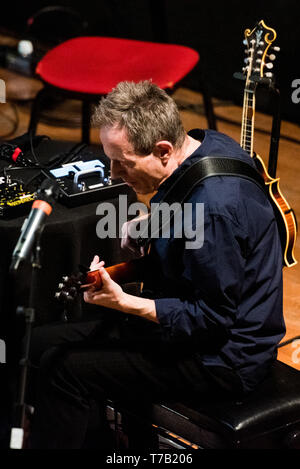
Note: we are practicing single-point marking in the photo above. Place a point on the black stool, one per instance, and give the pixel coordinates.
(268, 418)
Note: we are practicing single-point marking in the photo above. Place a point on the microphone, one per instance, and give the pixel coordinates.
(34, 223)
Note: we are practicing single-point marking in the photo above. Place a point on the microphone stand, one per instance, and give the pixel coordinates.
(21, 408)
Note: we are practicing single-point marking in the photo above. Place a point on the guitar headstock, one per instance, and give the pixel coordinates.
(259, 60)
(70, 286)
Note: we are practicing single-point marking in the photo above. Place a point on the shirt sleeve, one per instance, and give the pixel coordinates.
(216, 272)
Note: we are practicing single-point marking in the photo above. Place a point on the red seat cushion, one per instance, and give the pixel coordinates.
(94, 65)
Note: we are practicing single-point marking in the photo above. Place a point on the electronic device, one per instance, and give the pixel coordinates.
(82, 175)
(84, 182)
(15, 201)
(14, 58)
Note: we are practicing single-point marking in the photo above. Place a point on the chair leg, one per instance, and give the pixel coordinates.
(86, 118)
(35, 110)
(209, 110)
(207, 98)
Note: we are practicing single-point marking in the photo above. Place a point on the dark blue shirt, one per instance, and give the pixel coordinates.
(224, 298)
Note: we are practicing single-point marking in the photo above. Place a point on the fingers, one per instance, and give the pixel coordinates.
(125, 238)
(130, 232)
(88, 296)
(93, 296)
(104, 275)
(96, 263)
(96, 260)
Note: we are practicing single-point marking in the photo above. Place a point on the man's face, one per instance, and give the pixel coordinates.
(142, 173)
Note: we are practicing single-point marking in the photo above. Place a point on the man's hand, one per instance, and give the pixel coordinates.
(110, 294)
(129, 231)
(113, 296)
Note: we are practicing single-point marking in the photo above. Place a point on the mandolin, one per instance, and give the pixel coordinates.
(258, 42)
(71, 286)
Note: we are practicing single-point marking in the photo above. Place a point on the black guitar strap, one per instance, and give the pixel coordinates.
(203, 168)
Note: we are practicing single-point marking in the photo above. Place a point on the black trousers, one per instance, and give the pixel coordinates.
(116, 357)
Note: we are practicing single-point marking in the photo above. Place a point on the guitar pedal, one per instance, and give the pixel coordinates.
(84, 182)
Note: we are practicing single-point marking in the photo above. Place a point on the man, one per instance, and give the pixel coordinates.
(213, 319)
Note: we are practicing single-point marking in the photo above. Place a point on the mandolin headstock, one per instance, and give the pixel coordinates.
(259, 54)
(70, 286)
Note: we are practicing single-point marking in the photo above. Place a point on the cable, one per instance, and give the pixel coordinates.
(69, 156)
(32, 149)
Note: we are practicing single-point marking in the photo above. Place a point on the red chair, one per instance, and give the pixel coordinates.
(87, 68)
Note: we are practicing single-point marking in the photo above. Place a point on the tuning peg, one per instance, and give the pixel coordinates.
(245, 42)
(259, 52)
(276, 48)
(258, 61)
(73, 291)
(64, 296)
(70, 297)
(247, 59)
(272, 56)
(269, 65)
(269, 75)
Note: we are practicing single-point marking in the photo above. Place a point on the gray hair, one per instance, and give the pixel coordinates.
(147, 113)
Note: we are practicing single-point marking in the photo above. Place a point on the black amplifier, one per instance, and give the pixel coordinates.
(83, 182)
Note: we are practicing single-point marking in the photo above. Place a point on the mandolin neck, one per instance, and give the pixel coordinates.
(125, 272)
(247, 131)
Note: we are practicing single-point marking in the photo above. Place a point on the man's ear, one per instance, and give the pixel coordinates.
(163, 150)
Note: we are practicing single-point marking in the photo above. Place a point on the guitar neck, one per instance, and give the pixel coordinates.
(247, 131)
(125, 272)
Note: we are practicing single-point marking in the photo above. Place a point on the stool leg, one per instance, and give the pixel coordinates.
(207, 99)
(86, 118)
(35, 110)
(209, 110)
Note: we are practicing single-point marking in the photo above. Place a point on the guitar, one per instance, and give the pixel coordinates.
(71, 286)
(258, 42)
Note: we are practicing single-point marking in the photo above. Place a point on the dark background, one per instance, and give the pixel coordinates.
(214, 29)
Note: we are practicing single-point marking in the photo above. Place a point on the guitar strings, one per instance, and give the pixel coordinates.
(245, 120)
(246, 123)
